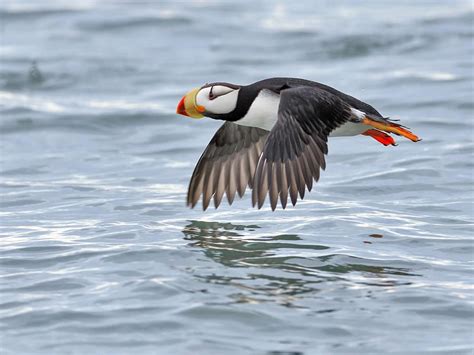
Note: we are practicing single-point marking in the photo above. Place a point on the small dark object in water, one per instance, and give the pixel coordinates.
(34, 74)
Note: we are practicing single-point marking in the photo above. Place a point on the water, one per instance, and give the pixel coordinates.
(99, 253)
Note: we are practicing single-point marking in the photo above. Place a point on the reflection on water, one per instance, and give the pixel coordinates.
(282, 267)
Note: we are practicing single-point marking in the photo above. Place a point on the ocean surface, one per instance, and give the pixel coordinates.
(100, 255)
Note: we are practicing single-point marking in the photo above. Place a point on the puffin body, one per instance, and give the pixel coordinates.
(274, 137)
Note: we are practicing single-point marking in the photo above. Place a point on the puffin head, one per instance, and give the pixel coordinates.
(211, 100)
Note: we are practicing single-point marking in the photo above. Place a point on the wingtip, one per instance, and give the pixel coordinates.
(254, 197)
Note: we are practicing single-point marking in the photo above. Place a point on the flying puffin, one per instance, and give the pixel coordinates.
(274, 137)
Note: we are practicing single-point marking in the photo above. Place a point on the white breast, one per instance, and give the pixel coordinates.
(349, 129)
(263, 113)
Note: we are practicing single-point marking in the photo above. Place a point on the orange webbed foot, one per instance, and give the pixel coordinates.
(380, 136)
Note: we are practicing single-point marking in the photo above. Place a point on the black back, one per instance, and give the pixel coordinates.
(248, 93)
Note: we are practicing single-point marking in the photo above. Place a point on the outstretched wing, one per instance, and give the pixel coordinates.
(294, 151)
(227, 165)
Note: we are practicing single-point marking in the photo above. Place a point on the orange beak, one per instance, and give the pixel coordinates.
(187, 106)
(180, 110)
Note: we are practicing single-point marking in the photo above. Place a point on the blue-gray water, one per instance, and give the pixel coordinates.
(99, 253)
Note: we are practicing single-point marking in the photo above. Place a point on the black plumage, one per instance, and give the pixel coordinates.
(294, 151)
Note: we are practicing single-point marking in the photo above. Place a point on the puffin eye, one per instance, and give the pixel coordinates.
(211, 94)
(216, 91)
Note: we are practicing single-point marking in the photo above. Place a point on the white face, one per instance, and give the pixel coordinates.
(218, 99)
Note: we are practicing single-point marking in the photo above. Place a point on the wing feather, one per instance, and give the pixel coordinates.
(227, 165)
(294, 150)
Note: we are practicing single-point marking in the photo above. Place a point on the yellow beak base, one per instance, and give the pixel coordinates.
(188, 106)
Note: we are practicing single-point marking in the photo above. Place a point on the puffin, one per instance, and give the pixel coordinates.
(274, 137)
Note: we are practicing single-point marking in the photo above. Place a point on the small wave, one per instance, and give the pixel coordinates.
(352, 45)
(399, 173)
(124, 105)
(418, 74)
(283, 19)
(32, 14)
(9, 100)
(130, 23)
(57, 285)
(50, 261)
(442, 123)
(40, 318)
(20, 203)
(279, 21)
(32, 80)
(30, 170)
(461, 15)
(35, 112)
(94, 124)
(30, 10)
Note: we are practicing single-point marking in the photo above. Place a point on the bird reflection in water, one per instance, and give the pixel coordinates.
(283, 267)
